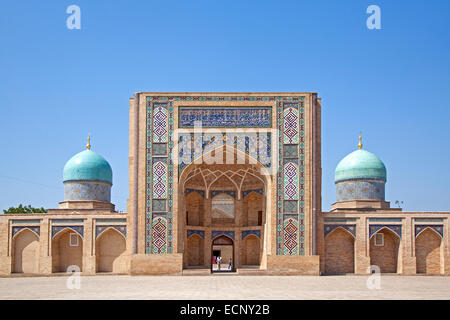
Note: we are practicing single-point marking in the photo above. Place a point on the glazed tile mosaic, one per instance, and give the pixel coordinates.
(225, 117)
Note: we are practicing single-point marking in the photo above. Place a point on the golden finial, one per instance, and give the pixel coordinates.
(360, 143)
(88, 146)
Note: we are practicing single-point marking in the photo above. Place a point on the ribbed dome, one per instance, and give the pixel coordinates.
(87, 165)
(360, 164)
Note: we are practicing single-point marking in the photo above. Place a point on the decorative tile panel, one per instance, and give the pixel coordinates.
(328, 228)
(247, 192)
(159, 235)
(396, 228)
(228, 192)
(290, 122)
(225, 117)
(438, 228)
(34, 229)
(229, 234)
(76, 229)
(246, 233)
(159, 179)
(102, 228)
(200, 192)
(290, 241)
(291, 181)
(160, 122)
(201, 233)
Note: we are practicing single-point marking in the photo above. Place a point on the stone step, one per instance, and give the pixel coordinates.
(251, 271)
(197, 272)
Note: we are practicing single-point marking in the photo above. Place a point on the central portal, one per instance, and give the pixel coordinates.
(224, 214)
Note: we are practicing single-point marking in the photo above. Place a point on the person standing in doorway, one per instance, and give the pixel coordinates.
(230, 264)
(219, 260)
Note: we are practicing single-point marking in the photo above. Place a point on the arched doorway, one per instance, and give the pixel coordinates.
(25, 253)
(195, 251)
(251, 251)
(428, 252)
(384, 250)
(110, 251)
(339, 252)
(223, 246)
(67, 250)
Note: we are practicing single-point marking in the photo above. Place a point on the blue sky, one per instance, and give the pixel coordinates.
(57, 85)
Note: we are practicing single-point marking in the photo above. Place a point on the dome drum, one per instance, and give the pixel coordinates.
(87, 190)
(368, 189)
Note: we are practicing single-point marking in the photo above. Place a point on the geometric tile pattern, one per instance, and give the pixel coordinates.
(438, 228)
(374, 228)
(159, 176)
(159, 235)
(160, 123)
(290, 121)
(159, 180)
(35, 229)
(328, 228)
(100, 229)
(290, 181)
(290, 242)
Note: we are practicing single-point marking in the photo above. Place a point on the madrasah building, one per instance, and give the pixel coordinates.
(236, 175)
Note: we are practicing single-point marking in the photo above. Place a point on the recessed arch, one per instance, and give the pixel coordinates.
(195, 251)
(250, 254)
(428, 251)
(66, 251)
(110, 251)
(25, 252)
(339, 252)
(385, 256)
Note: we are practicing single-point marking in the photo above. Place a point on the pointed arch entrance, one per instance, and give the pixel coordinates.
(223, 246)
(232, 196)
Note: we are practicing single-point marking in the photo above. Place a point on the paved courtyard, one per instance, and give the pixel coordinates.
(226, 286)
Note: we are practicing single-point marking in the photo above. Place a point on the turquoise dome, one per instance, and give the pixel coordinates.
(87, 165)
(360, 164)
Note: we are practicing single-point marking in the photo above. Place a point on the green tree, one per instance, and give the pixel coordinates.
(24, 209)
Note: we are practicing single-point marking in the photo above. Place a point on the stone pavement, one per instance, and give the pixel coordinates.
(226, 286)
